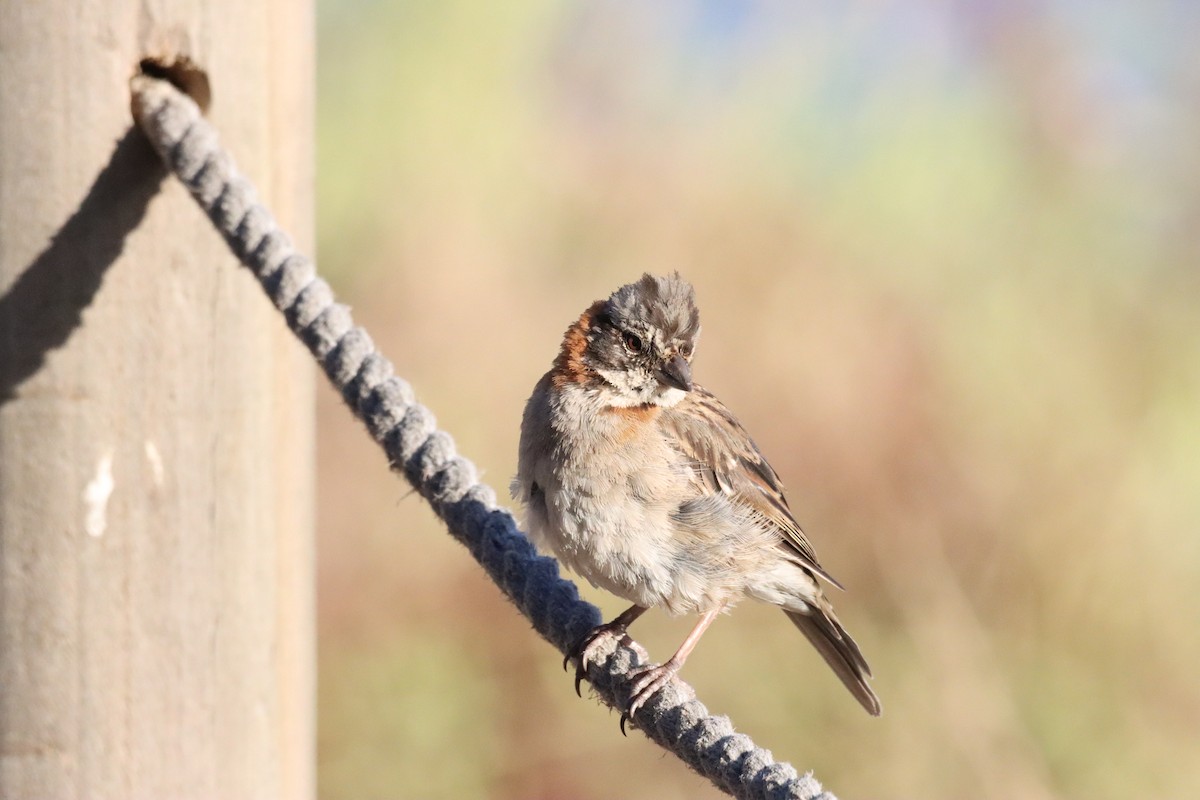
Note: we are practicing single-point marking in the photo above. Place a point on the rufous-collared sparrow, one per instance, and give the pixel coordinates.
(646, 485)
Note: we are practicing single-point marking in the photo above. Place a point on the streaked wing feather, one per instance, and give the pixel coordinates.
(727, 461)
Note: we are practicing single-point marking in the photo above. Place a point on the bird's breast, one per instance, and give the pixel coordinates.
(611, 490)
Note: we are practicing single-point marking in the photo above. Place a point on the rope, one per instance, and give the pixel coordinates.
(408, 433)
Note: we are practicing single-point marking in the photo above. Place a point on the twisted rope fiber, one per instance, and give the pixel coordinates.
(674, 718)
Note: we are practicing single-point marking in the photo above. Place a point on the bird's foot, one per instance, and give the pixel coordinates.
(646, 681)
(581, 653)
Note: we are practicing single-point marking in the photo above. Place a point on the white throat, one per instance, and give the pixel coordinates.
(622, 393)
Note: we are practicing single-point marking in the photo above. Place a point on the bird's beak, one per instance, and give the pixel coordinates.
(676, 372)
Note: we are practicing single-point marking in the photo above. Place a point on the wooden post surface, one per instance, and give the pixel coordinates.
(156, 417)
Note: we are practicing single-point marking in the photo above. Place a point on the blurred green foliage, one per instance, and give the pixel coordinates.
(946, 256)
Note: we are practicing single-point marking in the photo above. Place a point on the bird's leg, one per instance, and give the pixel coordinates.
(649, 679)
(581, 652)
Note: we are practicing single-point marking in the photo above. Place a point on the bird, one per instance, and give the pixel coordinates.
(642, 482)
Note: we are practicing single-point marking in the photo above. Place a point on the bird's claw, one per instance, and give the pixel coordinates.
(581, 653)
(646, 681)
(580, 669)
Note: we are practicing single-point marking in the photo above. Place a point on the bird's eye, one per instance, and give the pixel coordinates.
(685, 350)
(632, 342)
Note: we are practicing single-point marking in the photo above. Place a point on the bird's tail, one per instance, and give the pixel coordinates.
(839, 651)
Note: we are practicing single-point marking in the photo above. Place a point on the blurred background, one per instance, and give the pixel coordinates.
(946, 258)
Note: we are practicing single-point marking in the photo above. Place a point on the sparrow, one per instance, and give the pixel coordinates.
(642, 482)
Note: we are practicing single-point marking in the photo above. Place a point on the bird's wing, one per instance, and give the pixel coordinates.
(726, 461)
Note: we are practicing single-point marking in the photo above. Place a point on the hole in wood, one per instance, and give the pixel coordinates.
(182, 73)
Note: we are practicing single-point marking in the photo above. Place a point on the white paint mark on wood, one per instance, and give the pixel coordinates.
(156, 462)
(95, 497)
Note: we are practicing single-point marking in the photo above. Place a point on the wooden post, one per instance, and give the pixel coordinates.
(156, 424)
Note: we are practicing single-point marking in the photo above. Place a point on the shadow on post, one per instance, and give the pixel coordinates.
(46, 302)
